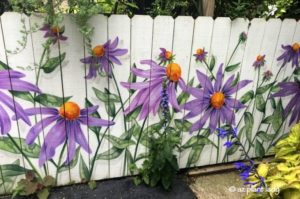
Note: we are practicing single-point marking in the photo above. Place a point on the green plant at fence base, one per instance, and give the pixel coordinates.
(32, 185)
(282, 175)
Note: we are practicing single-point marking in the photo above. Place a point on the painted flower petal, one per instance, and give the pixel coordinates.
(219, 77)
(89, 110)
(5, 123)
(18, 85)
(205, 81)
(10, 74)
(200, 123)
(172, 97)
(80, 138)
(71, 143)
(91, 121)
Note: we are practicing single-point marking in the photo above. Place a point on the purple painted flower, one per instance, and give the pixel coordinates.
(222, 133)
(228, 144)
(200, 54)
(102, 57)
(214, 101)
(11, 80)
(260, 61)
(67, 126)
(54, 32)
(165, 56)
(267, 75)
(291, 89)
(171, 74)
(291, 53)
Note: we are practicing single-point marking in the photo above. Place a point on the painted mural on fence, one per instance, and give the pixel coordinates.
(156, 88)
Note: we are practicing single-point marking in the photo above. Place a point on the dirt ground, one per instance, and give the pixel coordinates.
(217, 186)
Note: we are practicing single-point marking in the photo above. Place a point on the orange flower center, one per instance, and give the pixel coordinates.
(98, 51)
(55, 29)
(199, 51)
(295, 47)
(217, 100)
(259, 58)
(168, 54)
(173, 72)
(69, 110)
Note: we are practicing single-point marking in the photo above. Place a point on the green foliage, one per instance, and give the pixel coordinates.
(161, 165)
(283, 172)
(31, 185)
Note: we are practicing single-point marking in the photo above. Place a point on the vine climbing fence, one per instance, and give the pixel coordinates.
(57, 68)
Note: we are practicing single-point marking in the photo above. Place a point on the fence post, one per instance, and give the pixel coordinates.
(208, 7)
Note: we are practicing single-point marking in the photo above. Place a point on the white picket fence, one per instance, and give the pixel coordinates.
(143, 36)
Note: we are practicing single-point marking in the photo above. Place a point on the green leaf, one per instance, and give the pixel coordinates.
(110, 109)
(264, 136)
(3, 66)
(196, 141)
(119, 143)
(131, 5)
(259, 149)
(248, 118)
(278, 116)
(72, 164)
(183, 125)
(52, 63)
(268, 120)
(96, 114)
(31, 151)
(110, 154)
(297, 71)
(23, 95)
(106, 96)
(212, 63)
(11, 170)
(133, 114)
(260, 103)
(232, 67)
(263, 89)
(184, 96)
(247, 97)
(132, 79)
(49, 100)
(194, 155)
(83, 170)
(232, 149)
(273, 103)
(43, 194)
(236, 80)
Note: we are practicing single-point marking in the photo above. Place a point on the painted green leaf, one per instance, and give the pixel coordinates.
(232, 67)
(259, 149)
(133, 114)
(129, 157)
(49, 100)
(263, 89)
(141, 156)
(73, 162)
(110, 154)
(183, 97)
(31, 151)
(236, 80)
(264, 136)
(52, 63)
(247, 97)
(11, 170)
(132, 79)
(212, 63)
(260, 103)
(275, 89)
(248, 118)
(268, 120)
(110, 109)
(3, 66)
(83, 170)
(119, 143)
(96, 114)
(297, 71)
(194, 155)
(196, 141)
(232, 150)
(183, 125)
(273, 103)
(23, 95)
(106, 96)
(277, 116)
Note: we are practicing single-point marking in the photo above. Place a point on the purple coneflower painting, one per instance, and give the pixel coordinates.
(267, 75)
(293, 89)
(171, 74)
(200, 54)
(67, 126)
(214, 101)
(260, 61)
(291, 53)
(54, 32)
(11, 80)
(165, 55)
(102, 57)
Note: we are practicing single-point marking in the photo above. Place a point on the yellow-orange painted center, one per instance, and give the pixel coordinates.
(199, 51)
(217, 100)
(168, 54)
(173, 72)
(98, 51)
(259, 58)
(295, 47)
(55, 29)
(69, 110)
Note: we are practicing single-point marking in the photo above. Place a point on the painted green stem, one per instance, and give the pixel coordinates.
(139, 139)
(233, 52)
(59, 162)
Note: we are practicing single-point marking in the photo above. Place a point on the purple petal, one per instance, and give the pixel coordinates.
(228, 83)
(200, 123)
(172, 95)
(218, 83)
(10, 74)
(114, 44)
(91, 121)
(151, 63)
(205, 81)
(18, 85)
(148, 73)
(239, 86)
(71, 143)
(89, 110)
(80, 138)
(87, 60)
(233, 103)
(118, 52)
(5, 123)
(214, 118)
(114, 59)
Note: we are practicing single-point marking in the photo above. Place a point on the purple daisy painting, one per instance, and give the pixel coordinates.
(11, 80)
(171, 74)
(214, 101)
(291, 89)
(102, 57)
(291, 53)
(260, 61)
(165, 55)
(67, 126)
(200, 54)
(54, 32)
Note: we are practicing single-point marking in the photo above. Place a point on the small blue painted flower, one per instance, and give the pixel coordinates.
(228, 144)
